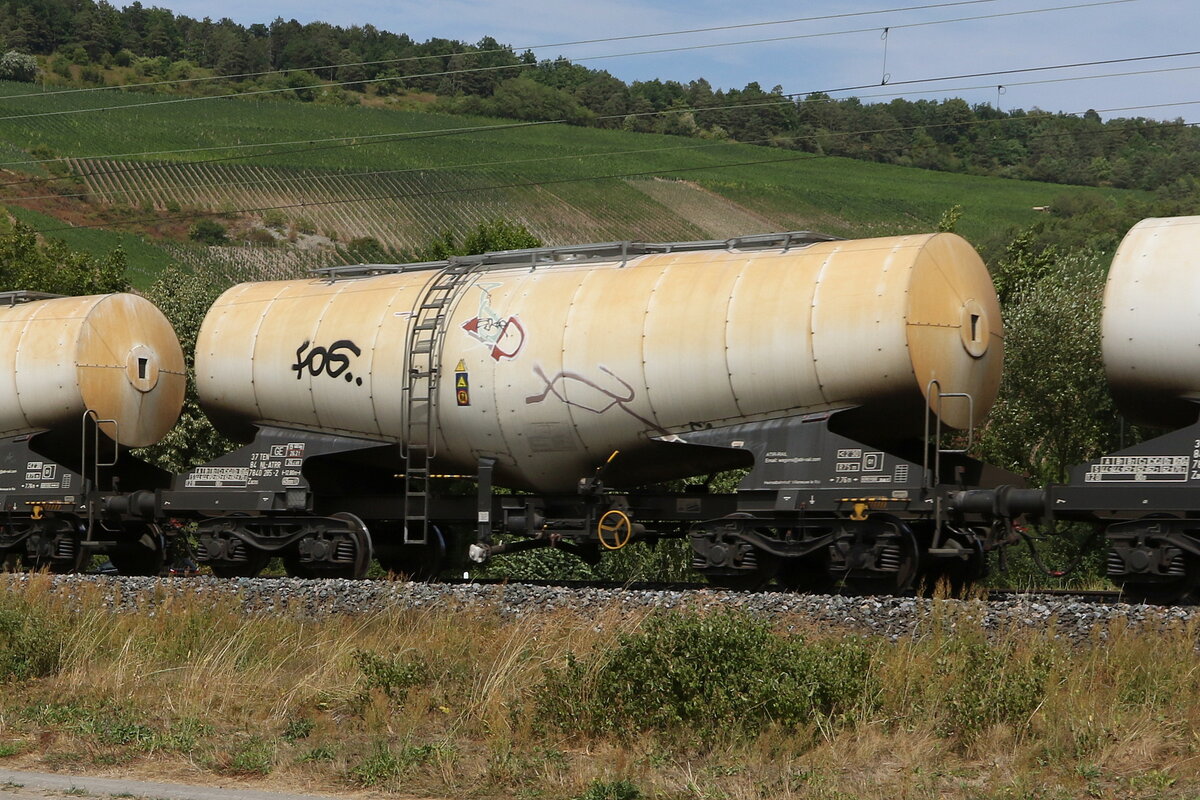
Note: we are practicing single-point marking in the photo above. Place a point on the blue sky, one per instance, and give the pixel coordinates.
(1125, 30)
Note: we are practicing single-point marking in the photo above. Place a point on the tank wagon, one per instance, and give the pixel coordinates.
(1145, 498)
(568, 386)
(82, 380)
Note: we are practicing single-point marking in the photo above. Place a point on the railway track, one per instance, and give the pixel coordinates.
(1078, 616)
(1086, 595)
(1083, 595)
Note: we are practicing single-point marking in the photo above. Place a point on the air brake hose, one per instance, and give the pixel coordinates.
(1037, 558)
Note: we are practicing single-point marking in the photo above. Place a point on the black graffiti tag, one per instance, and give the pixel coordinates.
(557, 386)
(330, 360)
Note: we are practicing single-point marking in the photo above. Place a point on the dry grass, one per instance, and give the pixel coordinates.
(201, 692)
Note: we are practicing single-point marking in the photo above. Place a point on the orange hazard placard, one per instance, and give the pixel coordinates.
(462, 389)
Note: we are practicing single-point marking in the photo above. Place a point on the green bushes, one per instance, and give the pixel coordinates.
(30, 642)
(457, 702)
(720, 673)
(728, 676)
(385, 766)
(393, 676)
(991, 684)
(208, 231)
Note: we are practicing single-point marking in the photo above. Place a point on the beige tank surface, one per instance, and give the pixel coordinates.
(1151, 322)
(114, 354)
(551, 365)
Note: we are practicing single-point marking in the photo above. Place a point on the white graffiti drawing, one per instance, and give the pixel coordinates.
(503, 335)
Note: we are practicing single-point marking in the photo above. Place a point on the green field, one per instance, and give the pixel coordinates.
(567, 184)
(144, 259)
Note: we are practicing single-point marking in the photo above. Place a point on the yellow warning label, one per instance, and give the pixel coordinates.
(462, 390)
(461, 367)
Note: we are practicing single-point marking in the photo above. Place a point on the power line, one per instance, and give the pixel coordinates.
(992, 73)
(576, 156)
(1017, 83)
(707, 145)
(345, 142)
(251, 145)
(557, 181)
(474, 70)
(490, 51)
(439, 192)
(352, 141)
(406, 195)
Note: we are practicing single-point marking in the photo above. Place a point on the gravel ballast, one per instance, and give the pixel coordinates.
(892, 617)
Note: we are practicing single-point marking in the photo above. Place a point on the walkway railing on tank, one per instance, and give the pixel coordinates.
(24, 296)
(576, 254)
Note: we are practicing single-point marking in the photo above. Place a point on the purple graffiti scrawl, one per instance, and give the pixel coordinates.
(558, 384)
(503, 335)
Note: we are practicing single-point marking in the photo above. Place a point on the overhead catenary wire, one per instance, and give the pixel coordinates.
(471, 70)
(182, 216)
(1015, 84)
(432, 193)
(274, 180)
(409, 135)
(514, 48)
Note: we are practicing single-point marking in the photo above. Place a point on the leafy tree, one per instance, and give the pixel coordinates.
(486, 237)
(184, 297)
(26, 262)
(525, 98)
(498, 234)
(15, 66)
(1054, 408)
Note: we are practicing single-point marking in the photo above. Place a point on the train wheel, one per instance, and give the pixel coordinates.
(361, 538)
(890, 564)
(350, 557)
(761, 568)
(228, 555)
(1149, 564)
(144, 556)
(1183, 589)
(56, 546)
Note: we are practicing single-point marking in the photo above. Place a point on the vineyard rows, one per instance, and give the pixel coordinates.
(227, 266)
(404, 210)
(714, 191)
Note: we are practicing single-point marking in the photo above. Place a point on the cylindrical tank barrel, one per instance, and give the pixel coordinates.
(548, 369)
(1151, 322)
(115, 355)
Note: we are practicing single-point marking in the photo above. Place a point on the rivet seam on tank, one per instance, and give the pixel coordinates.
(728, 325)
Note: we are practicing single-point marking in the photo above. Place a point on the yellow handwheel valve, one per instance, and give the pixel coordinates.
(615, 524)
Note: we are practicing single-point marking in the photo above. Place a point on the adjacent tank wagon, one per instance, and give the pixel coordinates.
(82, 379)
(1145, 499)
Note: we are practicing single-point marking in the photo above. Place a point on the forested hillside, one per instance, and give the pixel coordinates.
(83, 42)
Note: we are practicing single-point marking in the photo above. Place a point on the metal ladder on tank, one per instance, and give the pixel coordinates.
(423, 372)
(933, 476)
